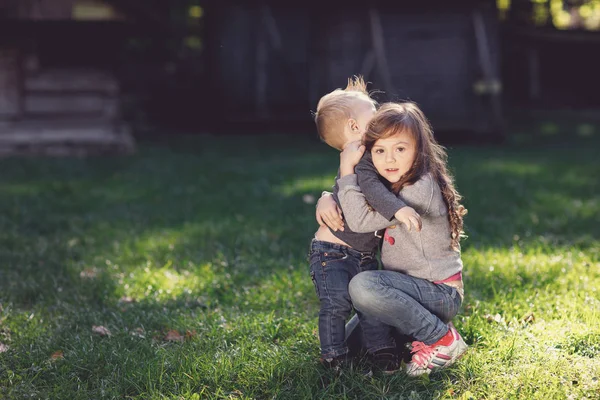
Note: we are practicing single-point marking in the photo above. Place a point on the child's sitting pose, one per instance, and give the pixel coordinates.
(337, 255)
(420, 289)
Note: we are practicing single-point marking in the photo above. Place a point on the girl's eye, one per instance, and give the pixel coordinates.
(400, 149)
(379, 151)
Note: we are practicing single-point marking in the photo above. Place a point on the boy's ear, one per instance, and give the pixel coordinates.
(353, 125)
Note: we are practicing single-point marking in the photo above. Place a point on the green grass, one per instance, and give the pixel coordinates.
(209, 236)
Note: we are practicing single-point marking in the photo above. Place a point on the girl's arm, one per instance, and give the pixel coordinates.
(360, 217)
(419, 195)
(376, 193)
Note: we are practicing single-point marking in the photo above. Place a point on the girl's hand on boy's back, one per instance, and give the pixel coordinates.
(350, 156)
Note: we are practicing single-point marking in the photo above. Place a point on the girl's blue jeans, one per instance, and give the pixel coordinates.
(332, 266)
(416, 307)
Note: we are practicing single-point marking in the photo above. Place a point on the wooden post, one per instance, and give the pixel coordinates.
(271, 31)
(271, 28)
(492, 79)
(534, 73)
(261, 71)
(10, 84)
(379, 49)
(368, 63)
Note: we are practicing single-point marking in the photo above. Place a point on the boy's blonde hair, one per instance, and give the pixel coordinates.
(335, 108)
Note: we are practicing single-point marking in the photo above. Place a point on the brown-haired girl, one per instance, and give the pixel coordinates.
(420, 289)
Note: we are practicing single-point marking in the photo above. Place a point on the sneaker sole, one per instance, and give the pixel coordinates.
(450, 362)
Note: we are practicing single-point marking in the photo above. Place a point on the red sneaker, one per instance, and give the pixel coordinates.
(441, 354)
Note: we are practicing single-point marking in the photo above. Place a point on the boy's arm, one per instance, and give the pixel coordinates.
(359, 216)
(329, 213)
(377, 194)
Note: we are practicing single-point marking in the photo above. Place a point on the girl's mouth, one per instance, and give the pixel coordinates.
(391, 170)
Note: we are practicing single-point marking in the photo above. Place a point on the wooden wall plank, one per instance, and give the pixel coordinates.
(10, 90)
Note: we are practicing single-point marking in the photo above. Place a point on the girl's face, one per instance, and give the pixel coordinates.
(394, 156)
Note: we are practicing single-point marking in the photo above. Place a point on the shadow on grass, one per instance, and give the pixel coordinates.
(211, 237)
(526, 195)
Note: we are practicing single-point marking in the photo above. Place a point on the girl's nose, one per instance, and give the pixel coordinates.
(389, 157)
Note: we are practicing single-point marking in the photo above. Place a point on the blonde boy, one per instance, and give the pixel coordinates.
(336, 253)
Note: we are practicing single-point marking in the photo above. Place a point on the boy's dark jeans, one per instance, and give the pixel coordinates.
(332, 266)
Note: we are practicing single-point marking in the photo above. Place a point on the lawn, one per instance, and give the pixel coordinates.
(181, 273)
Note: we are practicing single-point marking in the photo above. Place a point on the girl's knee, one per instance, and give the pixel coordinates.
(362, 291)
(358, 285)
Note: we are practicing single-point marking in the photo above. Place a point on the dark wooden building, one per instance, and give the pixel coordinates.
(272, 61)
(238, 62)
(58, 92)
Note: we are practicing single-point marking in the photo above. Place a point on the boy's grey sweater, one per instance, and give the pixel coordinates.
(378, 196)
(426, 254)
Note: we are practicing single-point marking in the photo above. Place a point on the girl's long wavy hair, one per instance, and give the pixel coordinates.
(431, 157)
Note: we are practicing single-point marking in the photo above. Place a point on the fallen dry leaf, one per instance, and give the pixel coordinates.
(174, 336)
(88, 273)
(101, 330)
(3, 348)
(529, 318)
(494, 318)
(138, 332)
(190, 334)
(57, 355)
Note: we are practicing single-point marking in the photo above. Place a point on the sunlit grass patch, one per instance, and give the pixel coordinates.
(532, 362)
(194, 258)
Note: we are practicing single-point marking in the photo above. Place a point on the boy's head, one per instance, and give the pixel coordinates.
(343, 114)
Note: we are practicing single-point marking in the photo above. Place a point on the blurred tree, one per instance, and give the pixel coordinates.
(557, 14)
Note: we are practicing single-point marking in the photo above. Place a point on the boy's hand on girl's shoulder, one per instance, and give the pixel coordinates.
(329, 213)
(409, 217)
(350, 156)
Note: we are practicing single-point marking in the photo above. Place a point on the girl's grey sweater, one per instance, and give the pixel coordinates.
(426, 254)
